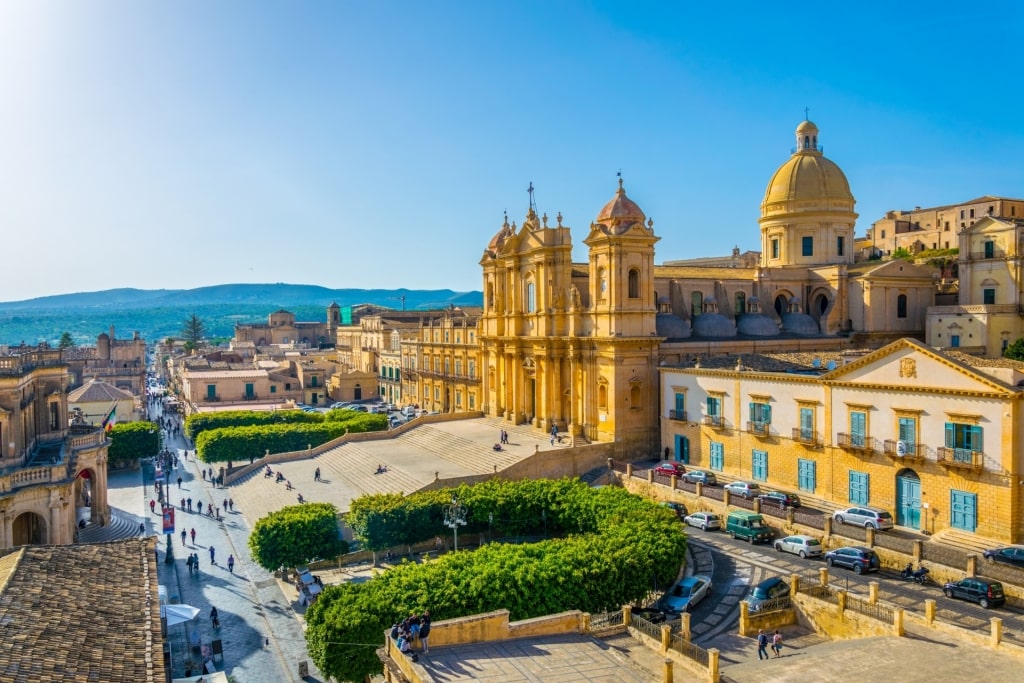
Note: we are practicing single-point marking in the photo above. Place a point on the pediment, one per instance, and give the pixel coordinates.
(907, 364)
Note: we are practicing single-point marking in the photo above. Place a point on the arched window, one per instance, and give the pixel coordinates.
(634, 397)
(807, 142)
(901, 306)
(741, 303)
(696, 303)
(602, 396)
(634, 283)
(602, 282)
(531, 297)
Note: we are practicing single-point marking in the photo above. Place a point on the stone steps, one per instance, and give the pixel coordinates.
(120, 527)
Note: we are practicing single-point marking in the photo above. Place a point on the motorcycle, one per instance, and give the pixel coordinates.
(920, 575)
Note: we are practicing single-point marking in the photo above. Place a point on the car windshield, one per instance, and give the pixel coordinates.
(884, 515)
(756, 524)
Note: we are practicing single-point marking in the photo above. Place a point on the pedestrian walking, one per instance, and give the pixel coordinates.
(231, 504)
(179, 478)
(316, 474)
(777, 643)
(142, 528)
(152, 506)
(231, 566)
(182, 504)
(225, 506)
(762, 643)
(195, 562)
(188, 562)
(212, 555)
(189, 505)
(193, 536)
(183, 535)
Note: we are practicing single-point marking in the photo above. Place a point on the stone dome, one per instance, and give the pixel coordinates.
(757, 325)
(498, 241)
(807, 177)
(620, 214)
(713, 325)
(800, 323)
(671, 326)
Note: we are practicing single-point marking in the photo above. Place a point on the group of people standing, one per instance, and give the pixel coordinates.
(762, 644)
(408, 630)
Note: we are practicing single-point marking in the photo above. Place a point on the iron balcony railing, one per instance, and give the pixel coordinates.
(759, 428)
(715, 421)
(679, 415)
(903, 449)
(806, 436)
(857, 443)
(963, 458)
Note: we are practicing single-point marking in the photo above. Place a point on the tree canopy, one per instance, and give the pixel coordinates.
(193, 330)
(1015, 350)
(66, 341)
(296, 535)
(131, 441)
(616, 548)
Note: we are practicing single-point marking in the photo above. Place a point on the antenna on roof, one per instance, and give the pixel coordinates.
(533, 204)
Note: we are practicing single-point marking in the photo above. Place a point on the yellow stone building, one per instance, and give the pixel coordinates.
(932, 437)
(52, 472)
(578, 345)
(987, 317)
(440, 362)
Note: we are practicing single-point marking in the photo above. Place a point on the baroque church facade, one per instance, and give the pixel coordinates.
(577, 346)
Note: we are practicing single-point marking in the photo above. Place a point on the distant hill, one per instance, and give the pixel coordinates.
(158, 313)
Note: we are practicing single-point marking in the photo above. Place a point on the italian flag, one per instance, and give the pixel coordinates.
(110, 420)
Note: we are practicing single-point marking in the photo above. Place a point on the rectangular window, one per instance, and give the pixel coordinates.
(806, 475)
(775, 248)
(963, 507)
(211, 391)
(287, 386)
(273, 388)
(972, 213)
(859, 482)
(807, 245)
(990, 249)
(458, 367)
(807, 424)
(437, 393)
(458, 399)
(679, 412)
(759, 465)
(947, 226)
(472, 401)
(447, 366)
(472, 369)
(883, 234)
(965, 440)
(954, 340)
(760, 414)
(717, 460)
(714, 406)
(907, 435)
(988, 295)
(249, 390)
(840, 245)
(858, 428)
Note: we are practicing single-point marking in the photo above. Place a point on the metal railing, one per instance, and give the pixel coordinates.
(806, 436)
(960, 457)
(645, 627)
(677, 415)
(857, 443)
(605, 619)
(822, 593)
(759, 428)
(773, 605)
(715, 421)
(908, 450)
(869, 609)
(689, 650)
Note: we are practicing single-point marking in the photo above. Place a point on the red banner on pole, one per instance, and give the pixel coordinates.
(168, 519)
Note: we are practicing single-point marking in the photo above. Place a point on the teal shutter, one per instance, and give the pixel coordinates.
(767, 412)
(975, 444)
(806, 475)
(950, 435)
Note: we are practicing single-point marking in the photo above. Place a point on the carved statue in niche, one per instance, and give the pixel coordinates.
(574, 297)
(556, 297)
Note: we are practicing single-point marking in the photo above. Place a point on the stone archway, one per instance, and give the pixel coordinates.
(29, 528)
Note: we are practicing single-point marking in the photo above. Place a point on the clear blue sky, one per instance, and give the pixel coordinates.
(376, 144)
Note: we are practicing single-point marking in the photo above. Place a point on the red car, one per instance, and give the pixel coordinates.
(669, 468)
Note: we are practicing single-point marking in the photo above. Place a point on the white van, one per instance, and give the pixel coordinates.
(409, 411)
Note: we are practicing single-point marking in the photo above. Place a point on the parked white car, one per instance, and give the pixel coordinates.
(804, 546)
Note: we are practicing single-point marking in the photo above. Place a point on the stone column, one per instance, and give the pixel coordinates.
(684, 626)
(996, 635)
(872, 592)
(627, 615)
(666, 637)
(794, 584)
(972, 565)
(823, 576)
(898, 621)
(666, 672)
(929, 612)
(713, 674)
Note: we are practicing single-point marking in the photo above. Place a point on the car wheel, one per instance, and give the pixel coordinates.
(948, 592)
(858, 569)
(870, 525)
(732, 534)
(984, 603)
(803, 555)
(703, 527)
(839, 518)
(750, 540)
(829, 561)
(778, 546)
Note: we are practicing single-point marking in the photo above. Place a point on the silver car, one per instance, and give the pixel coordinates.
(804, 546)
(703, 520)
(869, 518)
(743, 489)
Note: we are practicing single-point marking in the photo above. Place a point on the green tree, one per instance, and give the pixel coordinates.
(131, 441)
(902, 253)
(66, 341)
(1015, 350)
(295, 535)
(193, 329)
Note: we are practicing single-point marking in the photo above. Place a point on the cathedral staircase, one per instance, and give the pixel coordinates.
(120, 527)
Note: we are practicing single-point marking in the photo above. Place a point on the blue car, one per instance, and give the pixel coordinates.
(685, 594)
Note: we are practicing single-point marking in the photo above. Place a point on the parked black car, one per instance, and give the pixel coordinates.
(1009, 555)
(857, 558)
(782, 500)
(985, 592)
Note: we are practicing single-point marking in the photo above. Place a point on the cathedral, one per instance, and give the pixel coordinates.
(576, 346)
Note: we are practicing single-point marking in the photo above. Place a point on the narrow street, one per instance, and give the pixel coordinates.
(261, 638)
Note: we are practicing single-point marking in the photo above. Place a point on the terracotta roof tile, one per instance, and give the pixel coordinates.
(81, 613)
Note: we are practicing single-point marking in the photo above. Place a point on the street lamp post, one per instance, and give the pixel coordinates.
(454, 517)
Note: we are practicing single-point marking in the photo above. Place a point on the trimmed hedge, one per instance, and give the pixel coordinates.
(296, 535)
(201, 422)
(225, 444)
(618, 548)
